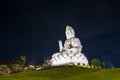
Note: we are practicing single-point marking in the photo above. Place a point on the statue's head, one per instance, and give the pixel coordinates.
(69, 32)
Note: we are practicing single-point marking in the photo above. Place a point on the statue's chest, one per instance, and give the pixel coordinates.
(70, 41)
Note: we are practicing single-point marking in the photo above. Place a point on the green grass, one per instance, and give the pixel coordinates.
(66, 73)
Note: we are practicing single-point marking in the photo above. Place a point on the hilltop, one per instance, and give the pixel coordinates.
(66, 73)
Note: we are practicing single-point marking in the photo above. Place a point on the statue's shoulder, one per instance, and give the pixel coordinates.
(75, 38)
(72, 39)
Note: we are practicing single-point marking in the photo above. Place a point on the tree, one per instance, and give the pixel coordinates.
(103, 63)
(95, 62)
(18, 64)
(21, 60)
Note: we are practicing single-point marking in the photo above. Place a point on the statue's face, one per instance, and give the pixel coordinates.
(69, 34)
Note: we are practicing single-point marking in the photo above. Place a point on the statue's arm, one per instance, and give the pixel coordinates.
(76, 43)
(60, 45)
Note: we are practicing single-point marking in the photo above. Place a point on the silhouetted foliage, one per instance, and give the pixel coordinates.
(21, 60)
(103, 63)
(95, 62)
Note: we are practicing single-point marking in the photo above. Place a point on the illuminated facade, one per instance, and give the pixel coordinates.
(70, 52)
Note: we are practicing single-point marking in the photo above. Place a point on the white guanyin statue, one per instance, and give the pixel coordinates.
(70, 53)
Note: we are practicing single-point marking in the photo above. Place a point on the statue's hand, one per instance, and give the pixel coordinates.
(69, 50)
(72, 50)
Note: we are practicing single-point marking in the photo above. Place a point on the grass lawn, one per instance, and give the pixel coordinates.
(66, 73)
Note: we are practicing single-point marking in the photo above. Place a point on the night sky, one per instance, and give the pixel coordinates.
(33, 28)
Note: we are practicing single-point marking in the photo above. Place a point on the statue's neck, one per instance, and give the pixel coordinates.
(70, 38)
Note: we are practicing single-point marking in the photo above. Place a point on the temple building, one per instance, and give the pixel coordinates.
(69, 52)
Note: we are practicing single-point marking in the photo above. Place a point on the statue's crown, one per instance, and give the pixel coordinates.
(69, 28)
